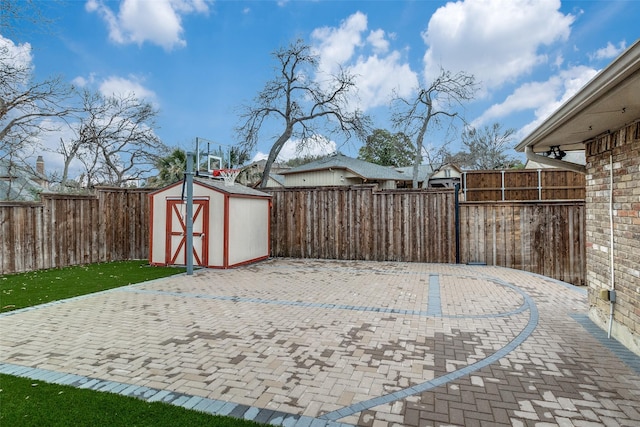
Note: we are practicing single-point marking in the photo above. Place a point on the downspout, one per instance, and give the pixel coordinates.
(611, 259)
(534, 157)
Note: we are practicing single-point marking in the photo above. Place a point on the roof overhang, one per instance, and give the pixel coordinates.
(607, 102)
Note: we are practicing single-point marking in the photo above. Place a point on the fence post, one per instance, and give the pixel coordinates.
(539, 184)
(464, 185)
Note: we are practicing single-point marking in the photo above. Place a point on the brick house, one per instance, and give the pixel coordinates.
(603, 119)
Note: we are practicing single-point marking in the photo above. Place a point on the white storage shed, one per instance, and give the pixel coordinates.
(230, 225)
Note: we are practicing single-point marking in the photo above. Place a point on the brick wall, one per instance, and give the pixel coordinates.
(623, 147)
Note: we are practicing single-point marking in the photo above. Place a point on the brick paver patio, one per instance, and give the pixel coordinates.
(309, 342)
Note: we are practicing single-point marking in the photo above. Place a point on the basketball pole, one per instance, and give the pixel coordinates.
(188, 175)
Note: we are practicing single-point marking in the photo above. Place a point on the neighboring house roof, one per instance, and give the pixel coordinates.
(358, 167)
(18, 183)
(608, 101)
(278, 180)
(576, 157)
(424, 172)
(260, 164)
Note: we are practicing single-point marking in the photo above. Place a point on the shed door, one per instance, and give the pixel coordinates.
(177, 232)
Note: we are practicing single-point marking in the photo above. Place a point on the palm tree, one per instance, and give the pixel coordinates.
(170, 168)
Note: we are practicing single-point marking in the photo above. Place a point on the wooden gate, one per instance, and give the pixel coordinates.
(177, 232)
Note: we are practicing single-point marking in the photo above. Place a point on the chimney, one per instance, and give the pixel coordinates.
(40, 166)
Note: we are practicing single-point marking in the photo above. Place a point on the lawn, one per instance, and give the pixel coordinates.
(37, 287)
(26, 402)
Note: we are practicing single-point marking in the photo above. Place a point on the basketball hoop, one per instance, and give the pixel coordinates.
(229, 175)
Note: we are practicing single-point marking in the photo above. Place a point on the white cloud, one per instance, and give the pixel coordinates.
(138, 21)
(378, 77)
(16, 55)
(495, 40)
(316, 147)
(82, 82)
(377, 71)
(542, 97)
(126, 86)
(529, 96)
(377, 40)
(609, 51)
(572, 80)
(335, 46)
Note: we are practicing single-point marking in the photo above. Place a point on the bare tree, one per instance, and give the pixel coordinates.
(431, 104)
(485, 149)
(27, 107)
(19, 17)
(115, 140)
(436, 156)
(300, 104)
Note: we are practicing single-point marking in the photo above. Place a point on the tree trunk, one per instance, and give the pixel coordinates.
(273, 154)
(419, 141)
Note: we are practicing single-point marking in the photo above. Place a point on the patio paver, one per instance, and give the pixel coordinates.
(316, 342)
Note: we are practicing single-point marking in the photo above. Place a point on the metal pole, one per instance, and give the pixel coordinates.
(188, 176)
(197, 154)
(457, 220)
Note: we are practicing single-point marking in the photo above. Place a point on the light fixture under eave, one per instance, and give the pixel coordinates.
(556, 152)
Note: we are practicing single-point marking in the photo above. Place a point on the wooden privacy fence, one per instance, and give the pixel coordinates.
(524, 184)
(547, 238)
(67, 230)
(357, 223)
(419, 226)
(360, 223)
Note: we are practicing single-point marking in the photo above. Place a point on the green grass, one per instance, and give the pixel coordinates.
(25, 402)
(38, 287)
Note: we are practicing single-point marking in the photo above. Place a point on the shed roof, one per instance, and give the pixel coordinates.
(359, 167)
(218, 185)
(236, 188)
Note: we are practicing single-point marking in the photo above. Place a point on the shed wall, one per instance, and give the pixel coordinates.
(248, 230)
(159, 221)
(158, 231)
(216, 230)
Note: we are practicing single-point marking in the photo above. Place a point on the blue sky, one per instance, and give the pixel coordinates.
(197, 61)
